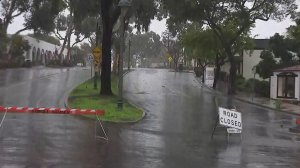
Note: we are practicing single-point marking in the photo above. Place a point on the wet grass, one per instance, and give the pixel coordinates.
(85, 96)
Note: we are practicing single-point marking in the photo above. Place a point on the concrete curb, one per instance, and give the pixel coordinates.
(247, 101)
(66, 104)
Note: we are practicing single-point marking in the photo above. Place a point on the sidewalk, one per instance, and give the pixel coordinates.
(259, 101)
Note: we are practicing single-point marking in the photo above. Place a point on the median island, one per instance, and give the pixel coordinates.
(85, 96)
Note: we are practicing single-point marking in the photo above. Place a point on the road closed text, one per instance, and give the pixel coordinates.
(230, 118)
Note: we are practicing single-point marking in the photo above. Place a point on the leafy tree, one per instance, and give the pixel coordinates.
(281, 48)
(174, 47)
(12, 9)
(201, 44)
(79, 22)
(146, 46)
(39, 15)
(266, 66)
(294, 36)
(238, 16)
(18, 47)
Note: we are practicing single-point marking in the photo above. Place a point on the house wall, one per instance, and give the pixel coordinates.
(273, 88)
(43, 48)
(297, 89)
(251, 59)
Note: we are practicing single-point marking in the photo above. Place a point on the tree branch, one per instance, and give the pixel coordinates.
(19, 31)
(78, 41)
(16, 15)
(58, 35)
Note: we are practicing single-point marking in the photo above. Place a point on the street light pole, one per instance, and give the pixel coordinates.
(124, 5)
(96, 67)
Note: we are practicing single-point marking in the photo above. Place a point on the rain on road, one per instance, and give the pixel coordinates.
(175, 133)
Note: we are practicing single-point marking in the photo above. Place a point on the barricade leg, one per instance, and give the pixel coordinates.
(3, 118)
(105, 137)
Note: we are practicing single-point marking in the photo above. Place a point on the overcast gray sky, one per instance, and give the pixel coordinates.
(262, 29)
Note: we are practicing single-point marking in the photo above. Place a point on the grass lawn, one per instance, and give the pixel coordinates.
(85, 97)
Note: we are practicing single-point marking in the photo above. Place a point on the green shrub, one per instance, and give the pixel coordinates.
(263, 88)
(240, 82)
(251, 85)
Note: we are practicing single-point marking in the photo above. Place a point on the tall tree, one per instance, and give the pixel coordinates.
(142, 12)
(202, 45)
(80, 21)
(266, 66)
(174, 46)
(12, 9)
(241, 15)
(145, 46)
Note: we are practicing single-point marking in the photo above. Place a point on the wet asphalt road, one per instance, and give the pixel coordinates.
(176, 132)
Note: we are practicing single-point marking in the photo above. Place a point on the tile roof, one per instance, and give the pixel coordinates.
(288, 69)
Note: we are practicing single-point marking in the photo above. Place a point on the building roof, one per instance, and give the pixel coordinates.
(289, 69)
(261, 44)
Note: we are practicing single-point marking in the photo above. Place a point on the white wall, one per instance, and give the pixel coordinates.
(273, 88)
(297, 89)
(42, 45)
(251, 59)
(226, 67)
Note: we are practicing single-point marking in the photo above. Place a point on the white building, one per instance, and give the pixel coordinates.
(42, 51)
(285, 83)
(248, 60)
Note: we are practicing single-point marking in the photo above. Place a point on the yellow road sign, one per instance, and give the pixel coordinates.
(170, 59)
(96, 61)
(97, 53)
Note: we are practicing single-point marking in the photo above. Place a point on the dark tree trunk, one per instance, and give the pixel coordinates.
(203, 75)
(109, 16)
(232, 75)
(69, 48)
(217, 71)
(106, 59)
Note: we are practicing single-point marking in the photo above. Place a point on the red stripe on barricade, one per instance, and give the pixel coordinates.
(2, 108)
(298, 121)
(15, 109)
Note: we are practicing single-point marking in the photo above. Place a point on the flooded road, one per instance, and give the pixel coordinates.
(175, 133)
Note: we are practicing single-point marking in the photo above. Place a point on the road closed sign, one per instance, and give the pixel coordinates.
(230, 118)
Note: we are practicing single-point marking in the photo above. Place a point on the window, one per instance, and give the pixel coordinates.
(286, 85)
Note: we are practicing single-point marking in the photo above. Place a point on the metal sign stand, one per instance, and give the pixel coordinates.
(105, 137)
(215, 126)
(3, 118)
(217, 121)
